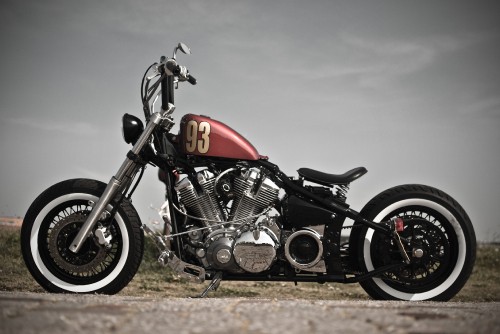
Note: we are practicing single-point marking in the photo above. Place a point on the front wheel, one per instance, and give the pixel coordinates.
(53, 221)
(438, 238)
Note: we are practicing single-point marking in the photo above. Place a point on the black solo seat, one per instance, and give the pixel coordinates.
(331, 179)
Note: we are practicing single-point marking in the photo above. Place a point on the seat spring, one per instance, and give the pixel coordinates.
(341, 191)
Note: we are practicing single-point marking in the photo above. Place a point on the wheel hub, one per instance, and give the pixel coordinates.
(427, 245)
(418, 253)
(90, 256)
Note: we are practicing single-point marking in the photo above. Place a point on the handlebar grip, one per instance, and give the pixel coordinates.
(191, 79)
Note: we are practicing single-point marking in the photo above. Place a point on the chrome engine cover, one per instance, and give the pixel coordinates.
(235, 251)
(255, 251)
(219, 250)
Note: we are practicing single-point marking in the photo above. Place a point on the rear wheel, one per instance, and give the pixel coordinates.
(438, 238)
(51, 224)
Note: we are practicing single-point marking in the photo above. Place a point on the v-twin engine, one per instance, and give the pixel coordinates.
(251, 192)
(238, 197)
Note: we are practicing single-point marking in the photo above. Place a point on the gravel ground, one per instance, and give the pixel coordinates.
(55, 313)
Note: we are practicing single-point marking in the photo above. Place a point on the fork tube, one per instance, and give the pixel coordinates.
(167, 91)
(114, 184)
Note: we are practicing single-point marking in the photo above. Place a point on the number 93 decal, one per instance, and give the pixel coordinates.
(193, 144)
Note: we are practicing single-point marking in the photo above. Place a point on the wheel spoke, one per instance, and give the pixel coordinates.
(425, 231)
(93, 260)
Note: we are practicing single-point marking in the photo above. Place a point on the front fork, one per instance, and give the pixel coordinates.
(127, 169)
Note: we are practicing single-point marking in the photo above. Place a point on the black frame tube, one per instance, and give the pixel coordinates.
(313, 277)
(335, 206)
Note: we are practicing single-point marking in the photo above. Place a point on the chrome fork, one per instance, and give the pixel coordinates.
(116, 181)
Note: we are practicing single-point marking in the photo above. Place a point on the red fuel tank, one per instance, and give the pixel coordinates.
(201, 135)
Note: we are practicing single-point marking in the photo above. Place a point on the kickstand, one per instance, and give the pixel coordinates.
(212, 286)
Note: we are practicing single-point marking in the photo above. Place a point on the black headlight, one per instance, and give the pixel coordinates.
(131, 129)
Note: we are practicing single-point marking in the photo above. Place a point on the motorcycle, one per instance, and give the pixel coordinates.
(231, 214)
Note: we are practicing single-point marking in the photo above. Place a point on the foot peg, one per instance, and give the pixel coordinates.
(191, 272)
(167, 258)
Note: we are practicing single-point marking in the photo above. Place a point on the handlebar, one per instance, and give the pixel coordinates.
(168, 70)
(180, 71)
(191, 79)
(171, 68)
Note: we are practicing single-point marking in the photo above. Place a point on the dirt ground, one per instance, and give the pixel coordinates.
(23, 312)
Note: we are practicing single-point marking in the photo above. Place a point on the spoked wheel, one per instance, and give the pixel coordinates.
(52, 223)
(438, 238)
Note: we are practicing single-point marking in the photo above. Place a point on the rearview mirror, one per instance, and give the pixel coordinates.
(183, 47)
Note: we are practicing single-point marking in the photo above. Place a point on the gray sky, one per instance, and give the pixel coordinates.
(408, 89)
